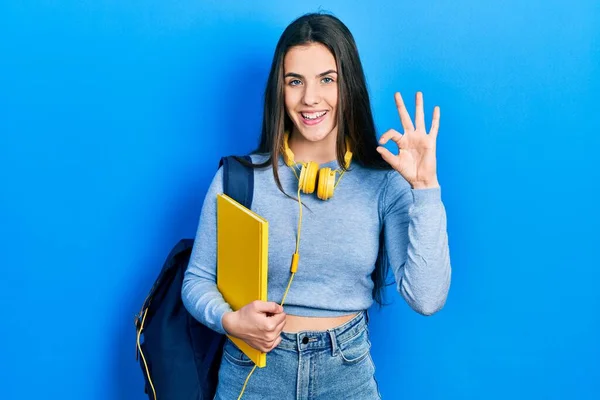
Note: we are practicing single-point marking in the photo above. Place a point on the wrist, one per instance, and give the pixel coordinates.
(426, 184)
(229, 322)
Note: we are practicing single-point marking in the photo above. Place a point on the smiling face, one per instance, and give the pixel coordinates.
(311, 91)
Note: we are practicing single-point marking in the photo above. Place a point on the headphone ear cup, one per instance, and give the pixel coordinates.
(308, 177)
(326, 184)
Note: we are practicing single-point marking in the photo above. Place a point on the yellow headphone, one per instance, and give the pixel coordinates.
(311, 175)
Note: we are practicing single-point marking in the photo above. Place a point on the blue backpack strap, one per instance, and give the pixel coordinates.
(238, 180)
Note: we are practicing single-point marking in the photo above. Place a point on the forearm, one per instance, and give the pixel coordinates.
(199, 291)
(427, 272)
(419, 252)
(204, 302)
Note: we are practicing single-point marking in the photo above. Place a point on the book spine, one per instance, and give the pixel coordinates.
(264, 278)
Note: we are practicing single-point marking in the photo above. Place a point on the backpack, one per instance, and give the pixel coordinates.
(180, 357)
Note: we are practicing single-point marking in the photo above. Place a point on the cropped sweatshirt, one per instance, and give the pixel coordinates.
(339, 244)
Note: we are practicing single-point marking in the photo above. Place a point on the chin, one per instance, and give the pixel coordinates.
(314, 136)
(314, 133)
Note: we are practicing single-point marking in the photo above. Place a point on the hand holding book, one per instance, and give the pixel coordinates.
(258, 323)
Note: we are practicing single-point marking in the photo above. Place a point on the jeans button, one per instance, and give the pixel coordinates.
(305, 340)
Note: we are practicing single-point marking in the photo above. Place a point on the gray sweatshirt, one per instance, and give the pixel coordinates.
(339, 242)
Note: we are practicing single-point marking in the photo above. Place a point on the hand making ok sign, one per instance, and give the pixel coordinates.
(416, 160)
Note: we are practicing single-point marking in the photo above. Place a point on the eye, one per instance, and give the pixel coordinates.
(294, 82)
(327, 80)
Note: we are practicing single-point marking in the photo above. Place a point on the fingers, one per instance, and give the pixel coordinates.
(419, 114)
(388, 156)
(273, 337)
(273, 322)
(403, 113)
(391, 134)
(276, 343)
(435, 123)
(280, 326)
(267, 307)
(270, 344)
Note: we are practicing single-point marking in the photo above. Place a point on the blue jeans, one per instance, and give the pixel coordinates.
(308, 365)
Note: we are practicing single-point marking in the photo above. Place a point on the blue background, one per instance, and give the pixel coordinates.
(113, 115)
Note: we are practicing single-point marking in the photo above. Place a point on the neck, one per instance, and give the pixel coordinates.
(321, 152)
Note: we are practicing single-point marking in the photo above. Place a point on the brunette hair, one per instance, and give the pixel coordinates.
(354, 115)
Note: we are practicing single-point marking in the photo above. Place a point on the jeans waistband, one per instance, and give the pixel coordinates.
(328, 339)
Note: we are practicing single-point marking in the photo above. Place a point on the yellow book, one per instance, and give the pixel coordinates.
(242, 261)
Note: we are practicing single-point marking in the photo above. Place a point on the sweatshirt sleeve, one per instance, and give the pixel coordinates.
(199, 291)
(416, 242)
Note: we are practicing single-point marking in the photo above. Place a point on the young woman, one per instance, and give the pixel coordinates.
(372, 209)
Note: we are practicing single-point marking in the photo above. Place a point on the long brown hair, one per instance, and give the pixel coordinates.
(354, 115)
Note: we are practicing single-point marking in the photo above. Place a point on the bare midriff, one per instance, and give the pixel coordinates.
(294, 323)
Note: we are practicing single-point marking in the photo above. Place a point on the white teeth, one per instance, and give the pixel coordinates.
(313, 115)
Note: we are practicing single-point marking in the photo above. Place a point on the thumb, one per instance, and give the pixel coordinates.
(388, 156)
(268, 307)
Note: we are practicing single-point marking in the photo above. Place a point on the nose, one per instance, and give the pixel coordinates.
(312, 94)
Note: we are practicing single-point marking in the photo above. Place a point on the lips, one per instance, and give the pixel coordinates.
(313, 117)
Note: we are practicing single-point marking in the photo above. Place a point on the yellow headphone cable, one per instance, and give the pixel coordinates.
(295, 259)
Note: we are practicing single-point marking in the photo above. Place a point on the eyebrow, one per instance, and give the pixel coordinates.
(295, 75)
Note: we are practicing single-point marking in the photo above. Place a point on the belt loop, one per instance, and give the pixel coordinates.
(298, 343)
(333, 342)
